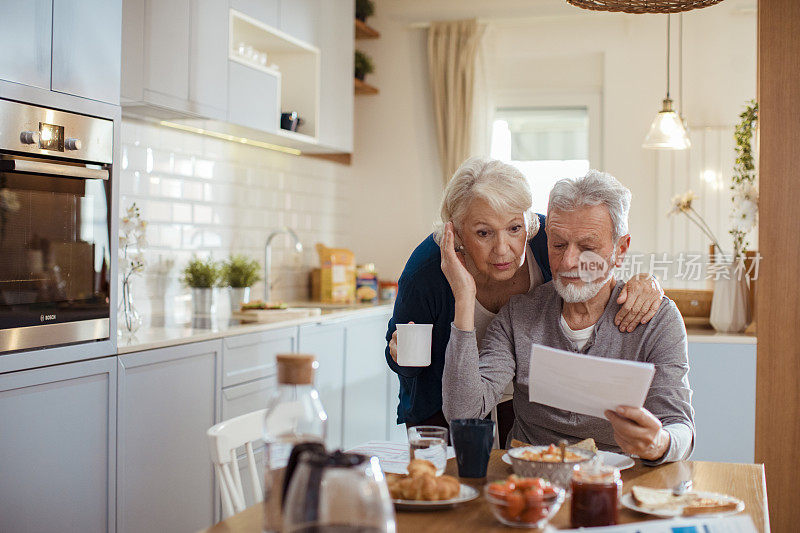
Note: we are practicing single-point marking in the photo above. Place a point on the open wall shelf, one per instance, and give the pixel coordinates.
(290, 77)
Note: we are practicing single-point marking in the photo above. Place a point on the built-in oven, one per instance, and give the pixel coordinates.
(55, 227)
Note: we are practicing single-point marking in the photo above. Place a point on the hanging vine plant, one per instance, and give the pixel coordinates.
(745, 180)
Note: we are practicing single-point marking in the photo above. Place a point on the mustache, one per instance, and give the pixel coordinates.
(569, 274)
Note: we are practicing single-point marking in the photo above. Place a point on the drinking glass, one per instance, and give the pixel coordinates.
(429, 443)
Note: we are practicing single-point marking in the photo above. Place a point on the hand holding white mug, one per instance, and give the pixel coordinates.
(411, 344)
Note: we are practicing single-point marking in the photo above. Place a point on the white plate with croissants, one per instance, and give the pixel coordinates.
(421, 489)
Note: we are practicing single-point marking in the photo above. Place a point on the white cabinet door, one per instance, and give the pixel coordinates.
(394, 432)
(326, 341)
(723, 382)
(265, 11)
(168, 398)
(57, 448)
(365, 396)
(25, 39)
(166, 48)
(245, 398)
(301, 18)
(208, 59)
(336, 43)
(86, 48)
(252, 356)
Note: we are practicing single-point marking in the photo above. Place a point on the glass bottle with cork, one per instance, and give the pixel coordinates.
(295, 421)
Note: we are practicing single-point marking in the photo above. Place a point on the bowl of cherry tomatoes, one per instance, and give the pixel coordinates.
(524, 501)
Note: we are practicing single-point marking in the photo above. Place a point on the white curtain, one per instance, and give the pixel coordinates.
(452, 52)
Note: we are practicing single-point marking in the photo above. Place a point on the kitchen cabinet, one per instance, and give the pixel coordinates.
(57, 450)
(336, 41)
(174, 58)
(241, 399)
(86, 48)
(253, 98)
(66, 46)
(394, 432)
(302, 18)
(167, 400)
(723, 381)
(25, 39)
(252, 356)
(326, 341)
(366, 403)
(181, 63)
(267, 11)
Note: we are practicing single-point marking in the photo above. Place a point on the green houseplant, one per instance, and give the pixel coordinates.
(202, 276)
(363, 65)
(239, 273)
(364, 9)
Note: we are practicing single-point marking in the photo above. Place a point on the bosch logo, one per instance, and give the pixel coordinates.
(45, 318)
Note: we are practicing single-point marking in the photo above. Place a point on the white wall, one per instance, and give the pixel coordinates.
(543, 47)
(207, 197)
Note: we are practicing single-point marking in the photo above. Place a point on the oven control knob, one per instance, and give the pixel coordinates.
(72, 144)
(29, 137)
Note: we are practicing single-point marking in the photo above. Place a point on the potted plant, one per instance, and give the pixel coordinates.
(202, 275)
(363, 65)
(239, 273)
(364, 9)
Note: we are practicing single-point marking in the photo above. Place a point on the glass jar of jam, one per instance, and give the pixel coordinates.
(596, 489)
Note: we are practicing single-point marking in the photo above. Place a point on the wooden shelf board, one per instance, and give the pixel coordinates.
(364, 31)
(364, 88)
(341, 158)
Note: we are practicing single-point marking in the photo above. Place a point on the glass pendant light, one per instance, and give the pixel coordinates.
(667, 131)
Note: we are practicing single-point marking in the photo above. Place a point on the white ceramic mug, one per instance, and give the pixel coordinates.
(414, 344)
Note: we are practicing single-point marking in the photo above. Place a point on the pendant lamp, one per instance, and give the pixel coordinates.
(667, 131)
(643, 6)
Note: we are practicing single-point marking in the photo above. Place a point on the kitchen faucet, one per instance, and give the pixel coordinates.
(298, 246)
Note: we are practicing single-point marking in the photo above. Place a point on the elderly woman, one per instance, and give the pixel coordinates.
(505, 251)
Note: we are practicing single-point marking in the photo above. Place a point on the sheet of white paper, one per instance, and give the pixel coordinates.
(586, 384)
(393, 456)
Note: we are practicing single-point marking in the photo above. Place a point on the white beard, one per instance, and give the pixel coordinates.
(581, 292)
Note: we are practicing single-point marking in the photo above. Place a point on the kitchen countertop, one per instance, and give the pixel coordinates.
(150, 338)
(710, 335)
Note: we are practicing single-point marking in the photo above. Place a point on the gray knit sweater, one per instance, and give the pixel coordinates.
(472, 384)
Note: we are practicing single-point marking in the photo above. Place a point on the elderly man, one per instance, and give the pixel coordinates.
(586, 216)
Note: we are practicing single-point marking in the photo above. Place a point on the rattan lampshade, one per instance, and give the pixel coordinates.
(643, 6)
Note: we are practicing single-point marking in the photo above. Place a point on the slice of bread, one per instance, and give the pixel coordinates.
(658, 499)
(585, 444)
(708, 506)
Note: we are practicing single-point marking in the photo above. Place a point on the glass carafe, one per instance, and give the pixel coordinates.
(295, 416)
(338, 493)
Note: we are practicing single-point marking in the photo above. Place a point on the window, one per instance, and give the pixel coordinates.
(545, 143)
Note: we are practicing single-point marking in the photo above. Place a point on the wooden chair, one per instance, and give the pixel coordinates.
(224, 439)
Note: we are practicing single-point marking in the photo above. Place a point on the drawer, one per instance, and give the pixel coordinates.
(252, 356)
(247, 397)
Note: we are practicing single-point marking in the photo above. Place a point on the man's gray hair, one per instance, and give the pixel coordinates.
(503, 186)
(595, 188)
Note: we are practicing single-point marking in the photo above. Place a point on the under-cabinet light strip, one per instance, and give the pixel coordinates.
(231, 138)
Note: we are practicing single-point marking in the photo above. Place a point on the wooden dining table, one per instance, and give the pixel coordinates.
(744, 481)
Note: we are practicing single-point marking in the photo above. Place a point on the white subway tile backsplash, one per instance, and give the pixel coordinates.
(209, 198)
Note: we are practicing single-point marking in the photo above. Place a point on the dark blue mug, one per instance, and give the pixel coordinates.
(472, 439)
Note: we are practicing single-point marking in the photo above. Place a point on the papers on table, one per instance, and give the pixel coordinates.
(729, 524)
(586, 384)
(393, 456)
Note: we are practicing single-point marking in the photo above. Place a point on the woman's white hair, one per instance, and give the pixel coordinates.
(595, 188)
(501, 185)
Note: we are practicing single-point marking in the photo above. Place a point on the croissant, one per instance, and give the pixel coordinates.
(421, 483)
